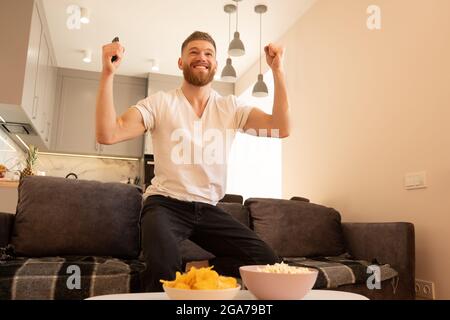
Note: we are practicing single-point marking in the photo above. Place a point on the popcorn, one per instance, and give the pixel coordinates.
(283, 268)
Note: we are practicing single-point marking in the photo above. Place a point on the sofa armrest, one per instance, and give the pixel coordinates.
(391, 243)
(6, 223)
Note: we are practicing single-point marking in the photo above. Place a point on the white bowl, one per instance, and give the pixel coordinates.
(185, 294)
(277, 286)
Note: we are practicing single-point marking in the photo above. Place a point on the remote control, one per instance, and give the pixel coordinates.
(114, 58)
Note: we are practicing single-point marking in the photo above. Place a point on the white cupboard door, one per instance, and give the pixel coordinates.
(40, 105)
(51, 96)
(76, 129)
(31, 69)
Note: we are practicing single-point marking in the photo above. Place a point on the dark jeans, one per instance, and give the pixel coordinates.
(166, 222)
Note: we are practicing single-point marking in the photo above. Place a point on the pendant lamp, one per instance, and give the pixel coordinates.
(260, 89)
(228, 72)
(236, 47)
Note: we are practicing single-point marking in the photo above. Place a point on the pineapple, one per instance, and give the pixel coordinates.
(31, 159)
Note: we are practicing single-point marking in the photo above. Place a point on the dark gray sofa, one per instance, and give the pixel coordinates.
(94, 226)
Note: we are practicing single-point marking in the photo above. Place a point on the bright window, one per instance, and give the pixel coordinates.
(254, 168)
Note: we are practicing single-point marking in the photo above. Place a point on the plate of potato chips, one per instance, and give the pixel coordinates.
(201, 284)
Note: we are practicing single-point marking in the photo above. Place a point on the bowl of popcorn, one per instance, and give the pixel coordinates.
(278, 281)
(201, 284)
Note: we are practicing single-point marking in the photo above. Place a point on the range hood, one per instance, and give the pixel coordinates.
(15, 123)
(18, 128)
(22, 134)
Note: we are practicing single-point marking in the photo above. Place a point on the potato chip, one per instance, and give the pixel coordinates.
(201, 279)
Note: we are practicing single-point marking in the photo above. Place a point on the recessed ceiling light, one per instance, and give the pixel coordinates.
(154, 65)
(87, 56)
(84, 16)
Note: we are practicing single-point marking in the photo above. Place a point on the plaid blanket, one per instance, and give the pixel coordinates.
(343, 270)
(84, 277)
(67, 278)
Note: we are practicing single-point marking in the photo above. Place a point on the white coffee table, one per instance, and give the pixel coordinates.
(242, 295)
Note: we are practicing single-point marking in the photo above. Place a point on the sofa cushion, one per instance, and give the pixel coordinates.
(57, 216)
(297, 228)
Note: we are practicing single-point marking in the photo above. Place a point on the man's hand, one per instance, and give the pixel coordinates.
(274, 56)
(110, 50)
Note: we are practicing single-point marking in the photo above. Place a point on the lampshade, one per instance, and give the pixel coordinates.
(228, 72)
(236, 48)
(260, 89)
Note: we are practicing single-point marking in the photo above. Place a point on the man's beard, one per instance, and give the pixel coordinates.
(199, 80)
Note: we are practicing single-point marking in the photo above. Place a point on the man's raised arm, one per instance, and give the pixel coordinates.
(279, 119)
(111, 129)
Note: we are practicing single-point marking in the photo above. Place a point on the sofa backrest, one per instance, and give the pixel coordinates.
(57, 216)
(79, 217)
(297, 228)
(291, 228)
(233, 198)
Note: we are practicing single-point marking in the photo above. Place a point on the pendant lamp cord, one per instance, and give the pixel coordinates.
(260, 41)
(229, 30)
(237, 14)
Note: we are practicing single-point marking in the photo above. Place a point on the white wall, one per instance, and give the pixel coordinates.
(369, 107)
(254, 168)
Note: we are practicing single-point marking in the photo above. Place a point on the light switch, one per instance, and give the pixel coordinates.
(415, 180)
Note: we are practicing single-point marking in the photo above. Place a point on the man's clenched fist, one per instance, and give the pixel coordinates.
(110, 50)
(274, 56)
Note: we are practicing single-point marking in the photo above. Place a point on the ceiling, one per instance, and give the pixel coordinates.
(155, 29)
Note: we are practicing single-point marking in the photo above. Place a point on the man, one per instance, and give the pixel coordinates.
(181, 201)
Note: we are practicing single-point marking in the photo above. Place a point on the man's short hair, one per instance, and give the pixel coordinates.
(198, 35)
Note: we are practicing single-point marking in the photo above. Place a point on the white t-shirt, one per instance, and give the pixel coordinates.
(190, 152)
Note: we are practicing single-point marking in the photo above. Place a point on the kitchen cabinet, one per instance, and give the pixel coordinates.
(28, 100)
(76, 120)
(76, 130)
(51, 99)
(27, 79)
(40, 98)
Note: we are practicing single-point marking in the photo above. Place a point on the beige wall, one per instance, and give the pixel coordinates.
(368, 107)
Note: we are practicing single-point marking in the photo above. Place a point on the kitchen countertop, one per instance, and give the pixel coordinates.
(9, 183)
